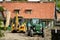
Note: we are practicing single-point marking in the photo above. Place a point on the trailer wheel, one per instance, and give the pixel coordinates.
(31, 33)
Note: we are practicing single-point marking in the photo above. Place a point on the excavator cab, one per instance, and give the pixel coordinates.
(22, 24)
(18, 24)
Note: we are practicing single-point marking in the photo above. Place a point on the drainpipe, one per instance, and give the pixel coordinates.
(55, 16)
(55, 9)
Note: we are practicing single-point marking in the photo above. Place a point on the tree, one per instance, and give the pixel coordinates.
(57, 5)
(1, 15)
(1, 11)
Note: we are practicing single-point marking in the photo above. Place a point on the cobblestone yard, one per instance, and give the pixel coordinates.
(23, 36)
(20, 36)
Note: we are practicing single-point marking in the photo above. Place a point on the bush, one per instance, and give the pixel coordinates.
(1, 8)
(1, 34)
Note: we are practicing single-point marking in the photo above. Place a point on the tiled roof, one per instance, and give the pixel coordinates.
(39, 10)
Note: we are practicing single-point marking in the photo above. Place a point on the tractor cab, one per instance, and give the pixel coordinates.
(35, 26)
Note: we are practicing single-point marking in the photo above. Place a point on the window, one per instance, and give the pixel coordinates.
(28, 11)
(35, 21)
(16, 11)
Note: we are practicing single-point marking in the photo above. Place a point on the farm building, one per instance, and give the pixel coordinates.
(45, 11)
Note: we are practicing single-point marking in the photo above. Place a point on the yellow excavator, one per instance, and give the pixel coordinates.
(18, 24)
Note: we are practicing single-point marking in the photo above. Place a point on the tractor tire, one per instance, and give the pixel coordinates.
(42, 32)
(28, 33)
(42, 35)
(14, 31)
(31, 33)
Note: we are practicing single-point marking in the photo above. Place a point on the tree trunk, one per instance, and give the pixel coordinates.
(7, 19)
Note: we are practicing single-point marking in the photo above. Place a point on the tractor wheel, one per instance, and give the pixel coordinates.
(42, 33)
(14, 31)
(27, 33)
(31, 33)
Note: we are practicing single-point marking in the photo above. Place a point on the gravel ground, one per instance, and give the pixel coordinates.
(20, 36)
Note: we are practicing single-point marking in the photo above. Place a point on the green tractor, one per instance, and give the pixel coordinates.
(35, 26)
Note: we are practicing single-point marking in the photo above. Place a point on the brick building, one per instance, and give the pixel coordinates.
(36, 10)
(44, 11)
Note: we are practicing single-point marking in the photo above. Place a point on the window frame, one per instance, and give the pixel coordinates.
(28, 11)
(17, 10)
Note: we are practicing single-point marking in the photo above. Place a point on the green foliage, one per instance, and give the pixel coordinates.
(1, 8)
(1, 34)
(58, 4)
(56, 0)
(1, 22)
(1, 28)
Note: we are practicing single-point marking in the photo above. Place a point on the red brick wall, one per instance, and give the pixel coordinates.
(39, 10)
